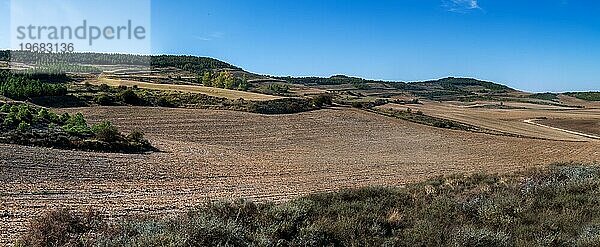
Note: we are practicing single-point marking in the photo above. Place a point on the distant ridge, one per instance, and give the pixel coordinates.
(199, 65)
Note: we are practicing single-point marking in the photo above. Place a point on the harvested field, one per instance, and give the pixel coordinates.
(565, 99)
(211, 155)
(586, 126)
(508, 120)
(211, 91)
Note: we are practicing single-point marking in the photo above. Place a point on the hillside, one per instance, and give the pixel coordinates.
(191, 70)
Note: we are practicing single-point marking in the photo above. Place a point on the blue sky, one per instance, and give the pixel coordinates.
(550, 45)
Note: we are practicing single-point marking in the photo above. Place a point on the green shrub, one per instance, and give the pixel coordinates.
(104, 88)
(24, 113)
(65, 131)
(281, 106)
(136, 136)
(24, 126)
(357, 104)
(129, 96)
(104, 100)
(545, 96)
(106, 132)
(43, 114)
(5, 108)
(76, 125)
(275, 88)
(164, 101)
(589, 96)
(10, 120)
(322, 100)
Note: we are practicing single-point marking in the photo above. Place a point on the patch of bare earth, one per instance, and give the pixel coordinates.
(211, 155)
(585, 126)
(510, 121)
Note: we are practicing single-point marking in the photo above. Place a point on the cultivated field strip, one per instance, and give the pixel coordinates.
(213, 155)
(509, 120)
(211, 91)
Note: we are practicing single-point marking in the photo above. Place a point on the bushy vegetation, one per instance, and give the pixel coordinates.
(274, 89)
(77, 58)
(59, 69)
(589, 96)
(333, 80)
(22, 87)
(28, 125)
(282, 106)
(361, 86)
(224, 79)
(110, 96)
(545, 96)
(4, 55)
(189, 63)
(365, 104)
(555, 206)
(453, 83)
(193, 64)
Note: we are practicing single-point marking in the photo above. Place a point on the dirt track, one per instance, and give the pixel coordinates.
(508, 120)
(210, 155)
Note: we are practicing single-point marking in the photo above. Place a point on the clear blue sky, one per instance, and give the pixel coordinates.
(549, 45)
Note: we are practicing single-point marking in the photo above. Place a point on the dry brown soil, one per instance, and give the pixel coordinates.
(213, 155)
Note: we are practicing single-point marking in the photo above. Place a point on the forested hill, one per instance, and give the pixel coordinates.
(449, 83)
(466, 84)
(199, 65)
(188, 63)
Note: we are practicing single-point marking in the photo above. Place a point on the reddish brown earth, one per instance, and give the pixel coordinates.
(213, 155)
(586, 126)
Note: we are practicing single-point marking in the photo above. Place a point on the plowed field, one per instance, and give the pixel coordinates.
(211, 155)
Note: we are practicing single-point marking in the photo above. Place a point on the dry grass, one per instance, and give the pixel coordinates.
(211, 91)
(211, 155)
(565, 99)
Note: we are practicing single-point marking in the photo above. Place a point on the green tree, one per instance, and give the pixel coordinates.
(220, 80)
(129, 96)
(243, 84)
(76, 125)
(207, 79)
(230, 81)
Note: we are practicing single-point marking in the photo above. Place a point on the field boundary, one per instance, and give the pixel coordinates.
(532, 121)
(211, 91)
(483, 130)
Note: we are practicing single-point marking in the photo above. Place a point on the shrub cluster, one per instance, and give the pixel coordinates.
(557, 206)
(141, 97)
(274, 89)
(225, 80)
(589, 96)
(28, 125)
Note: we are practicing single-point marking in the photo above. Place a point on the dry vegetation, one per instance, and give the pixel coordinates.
(554, 206)
(210, 155)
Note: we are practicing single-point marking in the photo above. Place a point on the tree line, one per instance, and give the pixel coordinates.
(224, 79)
(188, 63)
(23, 86)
